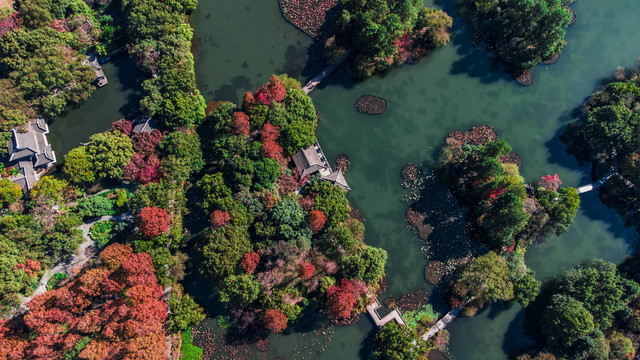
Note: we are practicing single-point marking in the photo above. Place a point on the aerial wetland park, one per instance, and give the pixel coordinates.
(320, 179)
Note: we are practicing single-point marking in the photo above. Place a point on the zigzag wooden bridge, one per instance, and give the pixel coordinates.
(396, 316)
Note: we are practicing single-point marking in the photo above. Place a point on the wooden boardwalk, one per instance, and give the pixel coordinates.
(397, 316)
(441, 324)
(323, 75)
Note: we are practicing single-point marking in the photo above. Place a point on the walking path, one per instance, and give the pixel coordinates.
(323, 74)
(86, 251)
(397, 316)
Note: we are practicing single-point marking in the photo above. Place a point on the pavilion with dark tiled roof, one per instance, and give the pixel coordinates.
(312, 160)
(337, 178)
(30, 152)
(144, 125)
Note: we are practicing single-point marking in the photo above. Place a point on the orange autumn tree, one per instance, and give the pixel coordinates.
(240, 123)
(112, 311)
(153, 221)
(316, 220)
(274, 320)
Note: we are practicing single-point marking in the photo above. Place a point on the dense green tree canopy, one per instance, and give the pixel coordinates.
(78, 166)
(522, 32)
(376, 32)
(399, 342)
(581, 304)
(110, 152)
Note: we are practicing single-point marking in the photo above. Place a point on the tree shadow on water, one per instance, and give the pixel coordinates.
(368, 345)
(227, 92)
(448, 221)
(473, 60)
(590, 203)
(515, 342)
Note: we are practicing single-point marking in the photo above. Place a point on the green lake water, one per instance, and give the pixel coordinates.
(239, 44)
(107, 104)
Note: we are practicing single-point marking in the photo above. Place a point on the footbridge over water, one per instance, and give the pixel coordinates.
(323, 74)
(586, 188)
(396, 316)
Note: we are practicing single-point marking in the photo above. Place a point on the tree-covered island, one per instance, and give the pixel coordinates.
(505, 214)
(282, 237)
(588, 312)
(606, 135)
(381, 34)
(521, 33)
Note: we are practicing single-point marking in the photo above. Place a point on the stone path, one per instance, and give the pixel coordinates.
(441, 324)
(86, 251)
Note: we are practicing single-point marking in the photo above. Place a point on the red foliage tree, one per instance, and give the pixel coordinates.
(220, 218)
(248, 101)
(59, 25)
(269, 132)
(287, 184)
(9, 23)
(31, 267)
(272, 149)
(272, 91)
(153, 221)
(316, 220)
(269, 201)
(137, 270)
(274, 320)
(122, 125)
(132, 170)
(250, 262)
(122, 327)
(306, 270)
(341, 300)
(149, 174)
(146, 143)
(550, 182)
(307, 202)
(114, 255)
(240, 123)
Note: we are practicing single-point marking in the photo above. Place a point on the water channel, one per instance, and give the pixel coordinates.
(239, 44)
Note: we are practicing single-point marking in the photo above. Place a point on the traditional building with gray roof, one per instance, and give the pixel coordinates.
(337, 178)
(31, 153)
(144, 125)
(101, 78)
(312, 160)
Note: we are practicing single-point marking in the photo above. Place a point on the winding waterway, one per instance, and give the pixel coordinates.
(107, 104)
(239, 44)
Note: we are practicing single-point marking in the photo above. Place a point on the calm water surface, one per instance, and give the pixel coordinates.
(106, 105)
(239, 44)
